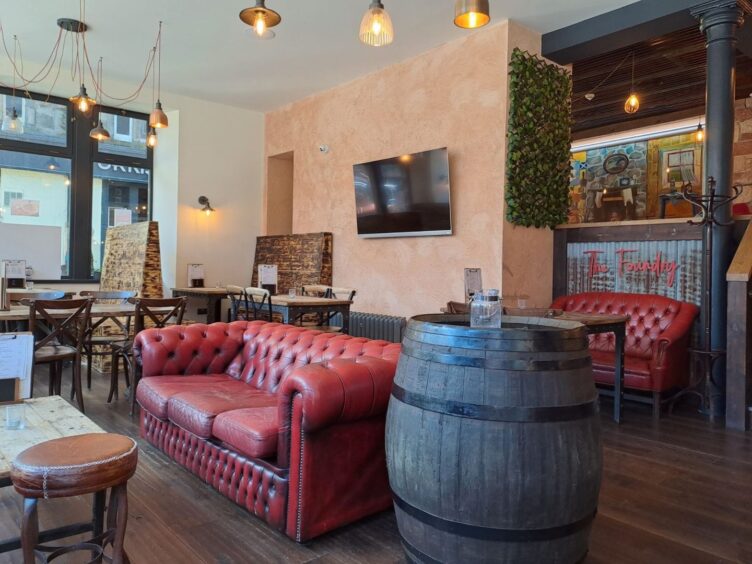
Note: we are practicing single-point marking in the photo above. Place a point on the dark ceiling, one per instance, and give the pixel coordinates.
(669, 78)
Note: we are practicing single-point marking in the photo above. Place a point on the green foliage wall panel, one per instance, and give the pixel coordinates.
(538, 142)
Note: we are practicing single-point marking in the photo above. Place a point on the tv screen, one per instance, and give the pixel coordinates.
(404, 196)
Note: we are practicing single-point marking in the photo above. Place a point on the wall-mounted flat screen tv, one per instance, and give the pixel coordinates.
(405, 196)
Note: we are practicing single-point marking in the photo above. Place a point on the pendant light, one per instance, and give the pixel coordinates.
(151, 138)
(471, 14)
(12, 123)
(99, 133)
(633, 102)
(376, 26)
(157, 118)
(700, 133)
(82, 101)
(261, 18)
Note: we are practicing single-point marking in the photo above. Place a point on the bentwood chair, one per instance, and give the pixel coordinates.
(117, 330)
(59, 327)
(149, 312)
(259, 299)
(238, 303)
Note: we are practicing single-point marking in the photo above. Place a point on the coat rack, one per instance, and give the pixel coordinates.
(707, 206)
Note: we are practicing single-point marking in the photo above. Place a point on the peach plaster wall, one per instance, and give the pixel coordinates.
(453, 96)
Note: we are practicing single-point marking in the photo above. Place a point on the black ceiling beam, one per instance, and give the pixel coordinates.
(619, 28)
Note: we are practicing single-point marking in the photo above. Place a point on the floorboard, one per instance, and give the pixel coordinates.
(676, 491)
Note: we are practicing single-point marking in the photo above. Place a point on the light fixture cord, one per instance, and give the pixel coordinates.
(159, 62)
(616, 68)
(633, 64)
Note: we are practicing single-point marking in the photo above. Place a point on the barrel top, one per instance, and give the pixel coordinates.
(511, 326)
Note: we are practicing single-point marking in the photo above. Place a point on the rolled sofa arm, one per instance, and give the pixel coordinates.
(337, 391)
(188, 349)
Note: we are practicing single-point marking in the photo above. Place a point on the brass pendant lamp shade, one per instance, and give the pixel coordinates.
(99, 133)
(376, 27)
(260, 18)
(471, 14)
(157, 118)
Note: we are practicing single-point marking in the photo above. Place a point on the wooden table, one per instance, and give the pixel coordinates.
(21, 313)
(36, 290)
(45, 419)
(292, 309)
(616, 324)
(212, 296)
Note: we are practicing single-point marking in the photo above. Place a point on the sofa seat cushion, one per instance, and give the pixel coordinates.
(154, 392)
(636, 370)
(195, 411)
(251, 432)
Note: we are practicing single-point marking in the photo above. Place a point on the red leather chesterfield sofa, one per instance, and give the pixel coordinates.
(286, 422)
(656, 359)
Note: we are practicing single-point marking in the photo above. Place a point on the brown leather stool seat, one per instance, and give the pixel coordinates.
(76, 465)
(73, 466)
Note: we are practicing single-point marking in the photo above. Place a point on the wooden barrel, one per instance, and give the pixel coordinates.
(493, 441)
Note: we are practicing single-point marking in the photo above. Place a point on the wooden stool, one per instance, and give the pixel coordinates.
(72, 466)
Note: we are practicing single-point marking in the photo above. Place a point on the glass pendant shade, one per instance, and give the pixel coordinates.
(376, 26)
(157, 118)
(99, 133)
(632, 104)
(82, 101)
(471, 14)
(151, 138)
(261, 18)
(12, 123)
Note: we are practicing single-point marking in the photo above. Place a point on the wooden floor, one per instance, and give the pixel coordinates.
(677, 491)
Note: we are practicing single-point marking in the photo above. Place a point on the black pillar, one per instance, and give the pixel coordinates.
(719, 22)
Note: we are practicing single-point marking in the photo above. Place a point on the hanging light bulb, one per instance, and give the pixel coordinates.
(82, 101)
(700, 133)
(376, 26)
(471, 14)
(633, 102)
(12, 123)
(52, 164)
(261, 18)
(151, 138)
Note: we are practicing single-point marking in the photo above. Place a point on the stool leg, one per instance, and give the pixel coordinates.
(117, 518)
(76, 384)
(51, 389)
(114, 375)
(29, 530)
(97, 514)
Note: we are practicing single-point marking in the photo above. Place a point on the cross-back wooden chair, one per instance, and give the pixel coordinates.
(238, 303)
(59, 327)
(101, 345)
(149, 313)
(259, 299)
(323, 321)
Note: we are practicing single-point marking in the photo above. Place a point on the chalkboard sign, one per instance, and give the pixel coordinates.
(9, 390)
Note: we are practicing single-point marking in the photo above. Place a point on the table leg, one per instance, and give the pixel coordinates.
(213, 309)
(346, 320)
(619, 333)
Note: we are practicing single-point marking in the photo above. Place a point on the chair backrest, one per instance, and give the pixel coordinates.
(238, 301)
(32, 296)
(160, 312)
(258, 299)
(60, 321)
(340, 293)
(121, 296)
(457, 307)
(315, 290)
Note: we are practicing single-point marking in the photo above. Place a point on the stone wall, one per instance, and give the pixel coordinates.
(743, 146)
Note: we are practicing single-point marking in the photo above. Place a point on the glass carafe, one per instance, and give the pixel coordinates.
(485, 310)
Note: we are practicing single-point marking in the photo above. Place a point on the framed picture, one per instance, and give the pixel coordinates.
(616, 163)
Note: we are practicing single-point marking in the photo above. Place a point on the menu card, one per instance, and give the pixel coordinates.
(16, 359)
(196, 275)
(267, 274)
(15, 272)
(473, 282)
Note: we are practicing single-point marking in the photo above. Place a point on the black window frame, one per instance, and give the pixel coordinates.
(83, 152)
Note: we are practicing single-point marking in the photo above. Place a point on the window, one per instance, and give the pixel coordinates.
(61, 190)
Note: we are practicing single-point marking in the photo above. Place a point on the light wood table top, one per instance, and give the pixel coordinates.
(593, 319)
(200, 291)
(45, 419)
(303, 301)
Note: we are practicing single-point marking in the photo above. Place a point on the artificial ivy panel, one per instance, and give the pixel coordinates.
(538, 142)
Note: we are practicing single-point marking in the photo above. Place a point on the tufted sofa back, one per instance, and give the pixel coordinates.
(256, 352)
(649, 316)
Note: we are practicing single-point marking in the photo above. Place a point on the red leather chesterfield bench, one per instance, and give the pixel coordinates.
(286, 422)
(656, 355)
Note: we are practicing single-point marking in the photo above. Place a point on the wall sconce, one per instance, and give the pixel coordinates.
(204, 201)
